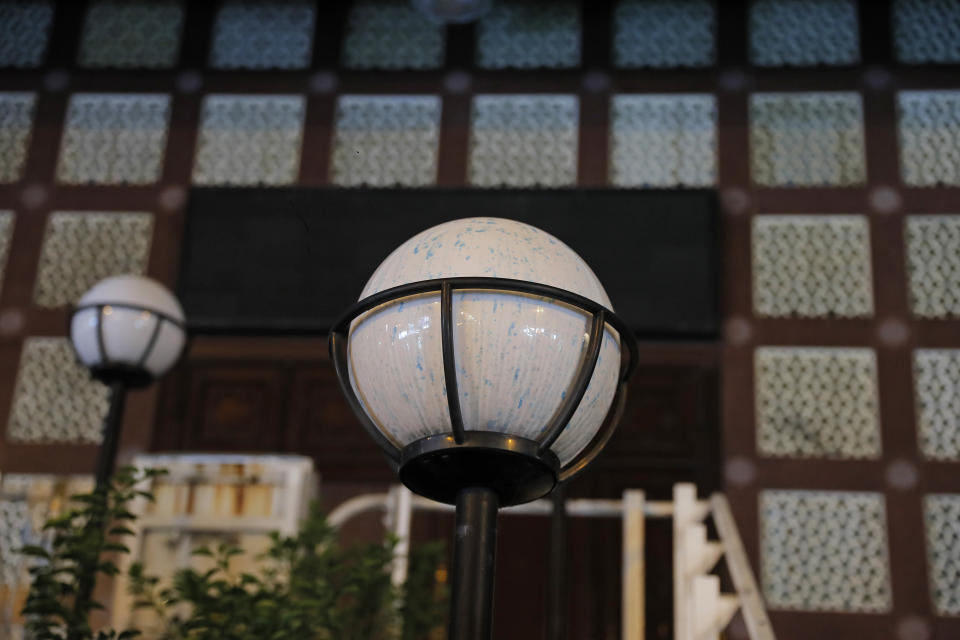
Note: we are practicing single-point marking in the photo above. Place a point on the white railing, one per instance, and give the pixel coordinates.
(701, 611)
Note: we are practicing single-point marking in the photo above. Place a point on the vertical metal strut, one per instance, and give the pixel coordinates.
(450, 362)
(580, 382)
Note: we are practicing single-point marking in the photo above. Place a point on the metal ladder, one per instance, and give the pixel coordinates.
(700, 610)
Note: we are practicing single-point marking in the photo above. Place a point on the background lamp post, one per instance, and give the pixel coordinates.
(128, 330)
(484, 359)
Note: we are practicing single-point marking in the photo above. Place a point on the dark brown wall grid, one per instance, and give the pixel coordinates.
(877, 79)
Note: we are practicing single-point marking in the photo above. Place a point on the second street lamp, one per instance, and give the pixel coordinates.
(128, 330)
(485, 360)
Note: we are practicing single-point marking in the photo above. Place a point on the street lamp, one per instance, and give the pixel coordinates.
(128, 330)
(483, 358)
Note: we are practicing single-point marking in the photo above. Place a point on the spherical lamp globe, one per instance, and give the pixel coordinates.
(129, 329)
(533, 357)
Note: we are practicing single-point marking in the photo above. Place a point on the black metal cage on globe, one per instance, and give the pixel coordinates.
(132, 372)
(518, 469)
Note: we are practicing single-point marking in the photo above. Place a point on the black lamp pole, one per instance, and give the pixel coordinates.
(474, 555)
(107, 455)
(557, 578)
(106, 458)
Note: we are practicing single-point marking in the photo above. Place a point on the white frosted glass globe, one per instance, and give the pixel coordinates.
(129, 320)
(516, 354)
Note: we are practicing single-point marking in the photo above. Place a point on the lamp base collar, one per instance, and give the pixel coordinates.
(129, 376)
(438, 468)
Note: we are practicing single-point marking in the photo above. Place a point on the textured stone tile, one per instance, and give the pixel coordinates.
(663, 140)
(529, 35)
(933, 265)
(812, 266)
(523, 140)
(256, 34)
(16, 126)
(817, 402)
(386, 140)
(664, 34)
(114, 138)
(391, 34)
(55, 400)
(132, 34)
(249, 140)
(807, 139)
(81, 248)
(825, 551)
(24, 32)
(804, 33)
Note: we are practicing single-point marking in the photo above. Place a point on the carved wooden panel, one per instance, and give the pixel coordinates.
(266, 395)
(668, 432)
(270, 395)
(321, 425)
(233, 408)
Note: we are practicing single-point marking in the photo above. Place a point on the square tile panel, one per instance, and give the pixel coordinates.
(926, 31)
(15, 533)
(81, 248)
(6, 233)
(928, 128)
(24, 31)
(391, 34)
(663, 140)
(27, 500)
(936, 383)
(132, 34)
(257, 34)
(249, 140)
(807, 139)
(817, 402)
(812, 266)
(55, 400)
(523, 140)
(933, 265)
(114, 138)
(383, 141)
(16, 125)
(825, 551)
(528, 35)
(942, 519)
(804, 33)
(664, 34)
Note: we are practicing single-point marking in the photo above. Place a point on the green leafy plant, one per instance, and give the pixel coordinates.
(63, 576)
(305, 587)
(425, 597)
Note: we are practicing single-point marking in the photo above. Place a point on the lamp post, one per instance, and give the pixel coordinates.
(484, 359)
(128, 330)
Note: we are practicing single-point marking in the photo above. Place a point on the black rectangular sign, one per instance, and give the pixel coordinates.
(275, 260)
